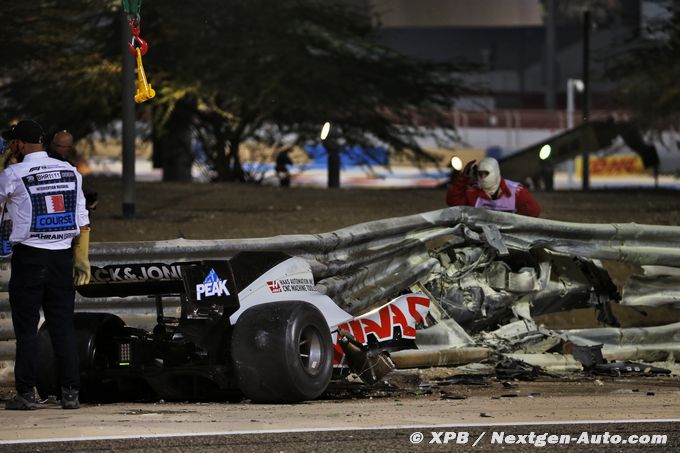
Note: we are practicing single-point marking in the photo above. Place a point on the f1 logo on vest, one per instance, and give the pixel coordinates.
(55, 204)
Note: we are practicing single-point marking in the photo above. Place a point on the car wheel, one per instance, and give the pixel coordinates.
(282, 352)
(96, 349)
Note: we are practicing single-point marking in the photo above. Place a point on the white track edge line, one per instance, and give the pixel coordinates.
(352, 428)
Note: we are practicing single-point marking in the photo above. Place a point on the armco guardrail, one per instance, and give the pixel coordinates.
(362, 265)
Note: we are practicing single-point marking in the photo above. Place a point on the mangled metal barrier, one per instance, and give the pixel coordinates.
(657, 287)
(658, 343)
(362, 265)
(344, 258)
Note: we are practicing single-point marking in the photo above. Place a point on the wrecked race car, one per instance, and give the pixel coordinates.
(482, 284)
(496, 283)
(252, 325)
(486, 296)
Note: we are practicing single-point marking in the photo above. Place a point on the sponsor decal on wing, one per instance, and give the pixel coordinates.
(274, 286)
(390, 325)
(290, 285)
(212, 286)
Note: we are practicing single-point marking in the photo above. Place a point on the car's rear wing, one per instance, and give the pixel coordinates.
(135, 279)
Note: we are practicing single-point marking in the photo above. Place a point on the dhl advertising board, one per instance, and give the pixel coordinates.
(613, 165)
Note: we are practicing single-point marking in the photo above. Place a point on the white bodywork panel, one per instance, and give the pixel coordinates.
(291, 280)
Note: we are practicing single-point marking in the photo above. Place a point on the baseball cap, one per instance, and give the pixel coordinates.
(25, 130)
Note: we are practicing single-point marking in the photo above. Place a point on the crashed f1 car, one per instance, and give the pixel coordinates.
(251, 325)
(279, 317)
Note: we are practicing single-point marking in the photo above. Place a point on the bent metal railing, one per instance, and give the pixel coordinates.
(362, 265)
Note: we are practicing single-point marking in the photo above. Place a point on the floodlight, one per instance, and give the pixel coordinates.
(325, 130)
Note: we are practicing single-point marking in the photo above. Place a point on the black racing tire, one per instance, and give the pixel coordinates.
(282, 352)
(96, 351)
(47, 377)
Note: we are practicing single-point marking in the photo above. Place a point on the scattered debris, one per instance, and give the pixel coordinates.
(516, 369)
(620, 368)
(453, 396)
(465, 380)
(509, 395)
(589, 356)
(370, 366)
(593, 362)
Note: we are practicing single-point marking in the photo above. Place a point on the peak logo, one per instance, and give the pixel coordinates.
(212, 286)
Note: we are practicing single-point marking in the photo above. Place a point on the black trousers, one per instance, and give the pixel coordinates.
(43, 278)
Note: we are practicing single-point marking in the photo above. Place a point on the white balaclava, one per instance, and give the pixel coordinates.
(490, 183)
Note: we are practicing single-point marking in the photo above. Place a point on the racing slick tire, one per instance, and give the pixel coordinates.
(282, 352)
(94, 341)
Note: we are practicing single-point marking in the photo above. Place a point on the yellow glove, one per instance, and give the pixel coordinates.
(81, 260)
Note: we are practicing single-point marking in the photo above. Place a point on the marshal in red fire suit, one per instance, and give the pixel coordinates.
(508, 196)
